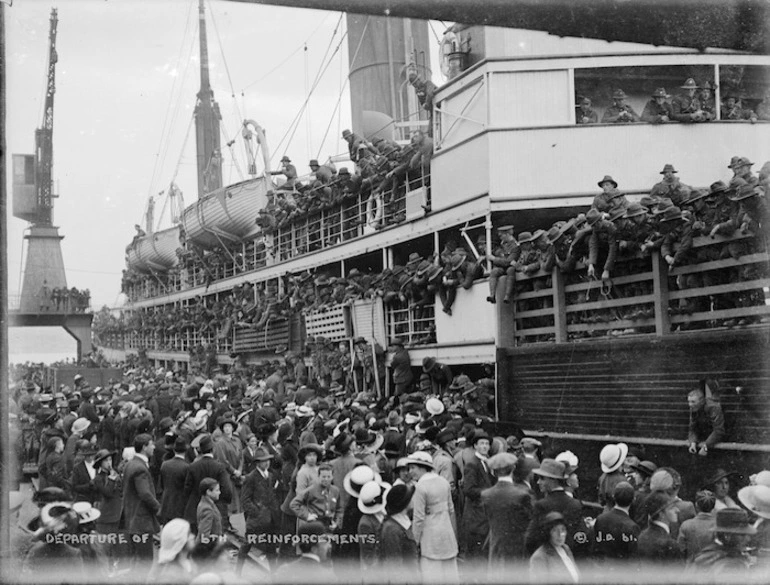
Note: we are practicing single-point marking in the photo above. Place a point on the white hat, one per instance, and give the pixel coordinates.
(420, 458)
(357, 478)
(411, 418)
(612, 456)
(304, 411)
(761, 478)
(372, 497)
(434, 406)
(173, 538)
(756, 498)
(53, 516)
(569, 459)
(80, 425)
(86, 512)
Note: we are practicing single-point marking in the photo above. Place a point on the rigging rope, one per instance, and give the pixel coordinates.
(159, 161)
(319, 76)
(294, 52)
(345, 84)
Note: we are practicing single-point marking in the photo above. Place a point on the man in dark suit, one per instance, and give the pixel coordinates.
(205, 466)
(139, 504)
(476, 479)
(655, 541)
(260, 507)
(552, 479)
(173, 473)
(83, 477)
(508, 509)
(615, 533)
(402, 367)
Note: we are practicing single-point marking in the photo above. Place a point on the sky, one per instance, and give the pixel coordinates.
(126, 81)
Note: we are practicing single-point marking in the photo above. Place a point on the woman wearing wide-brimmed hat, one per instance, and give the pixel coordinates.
(553, 562)
(719, 483)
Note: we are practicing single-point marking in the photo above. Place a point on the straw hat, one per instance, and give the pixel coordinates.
(421, 458)
(372, 497)
(612, 456)
(357, 478)
(757, 499)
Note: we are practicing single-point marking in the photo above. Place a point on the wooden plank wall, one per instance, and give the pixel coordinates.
(638, 387)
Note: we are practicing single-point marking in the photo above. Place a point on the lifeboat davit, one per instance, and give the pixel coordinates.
(227, 214)
(156, 251)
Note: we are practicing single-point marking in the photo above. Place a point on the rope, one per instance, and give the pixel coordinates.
(319, 76)
(344, 85)
(164, 139)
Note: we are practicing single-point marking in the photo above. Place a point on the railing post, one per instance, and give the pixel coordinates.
(559, 306)
(660, 288)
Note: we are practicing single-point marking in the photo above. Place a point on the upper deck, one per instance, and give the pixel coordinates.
(506, 127)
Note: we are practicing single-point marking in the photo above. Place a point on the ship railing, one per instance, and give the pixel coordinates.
(353, 216)
(645, 297)
(414, 323)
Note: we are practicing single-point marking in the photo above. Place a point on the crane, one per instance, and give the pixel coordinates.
(44, 136)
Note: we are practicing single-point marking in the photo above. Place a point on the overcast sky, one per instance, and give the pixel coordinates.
(126, 81)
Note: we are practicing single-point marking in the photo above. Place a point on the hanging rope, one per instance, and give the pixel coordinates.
(344, 85)
(322, 69)
(163, 146)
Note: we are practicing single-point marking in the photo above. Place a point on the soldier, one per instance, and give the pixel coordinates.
(686, 106)
(610, 197)
(671, 186)
(677, 241)
(733, 110)
(619, 112)
(741, 167)
(602, 243)
(707, 99)
(657, 110)
(584, 114)
(504, 263)
(289, 171)
(357, 146)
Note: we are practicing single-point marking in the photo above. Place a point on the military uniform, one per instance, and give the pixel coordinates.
(504, 261)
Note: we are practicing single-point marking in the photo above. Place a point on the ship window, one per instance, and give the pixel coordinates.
(638, 83)
(749, 82)
(422, 246)
(370, 263)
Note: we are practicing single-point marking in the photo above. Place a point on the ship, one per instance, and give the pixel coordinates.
(508, 151)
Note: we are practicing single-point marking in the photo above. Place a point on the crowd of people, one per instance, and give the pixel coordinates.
(63, 299)
(421, 484)
(666, 220)
(693, 105)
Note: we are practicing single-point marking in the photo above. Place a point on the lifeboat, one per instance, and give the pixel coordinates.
(156, 251)
(227, 214)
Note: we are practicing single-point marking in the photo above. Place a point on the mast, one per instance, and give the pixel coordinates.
(207, 119)
(44, 136)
